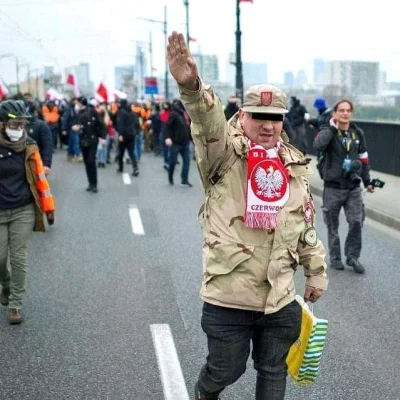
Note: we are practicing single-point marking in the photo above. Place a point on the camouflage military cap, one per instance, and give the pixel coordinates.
(266, 99)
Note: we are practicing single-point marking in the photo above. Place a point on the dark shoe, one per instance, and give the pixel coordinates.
(4, 297)
(89, 188)
(337, 264)
(99, 165)
(166, 167)
(199, 396)
(50, 218)
(120, 171)
(135, 172)
(171, 182)
(357, 266)
(187, 184)
(94, 189)
(14, 316)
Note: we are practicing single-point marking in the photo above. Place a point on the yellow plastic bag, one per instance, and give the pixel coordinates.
(305, 354)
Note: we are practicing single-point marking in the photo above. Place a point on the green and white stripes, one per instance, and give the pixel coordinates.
(309, 367)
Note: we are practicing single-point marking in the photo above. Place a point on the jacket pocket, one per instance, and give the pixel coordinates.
(222, 259)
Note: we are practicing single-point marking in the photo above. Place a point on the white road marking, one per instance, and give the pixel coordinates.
(136, 221)
(168, 363)
(126, 178)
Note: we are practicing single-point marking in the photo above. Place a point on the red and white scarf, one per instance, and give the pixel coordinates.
(267, 187)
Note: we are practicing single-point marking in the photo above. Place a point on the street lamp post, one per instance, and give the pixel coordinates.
(238, 61)
(186, 3)
(164, 23)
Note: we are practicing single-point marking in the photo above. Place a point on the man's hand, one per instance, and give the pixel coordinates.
(102, 141)
(121, 138)
(47, 170)
(181, 64)
(370, 189)
(64, 133)
(75, 128)
(312, 294)
(168, 142)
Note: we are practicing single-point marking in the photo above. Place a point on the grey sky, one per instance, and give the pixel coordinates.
(287, 35)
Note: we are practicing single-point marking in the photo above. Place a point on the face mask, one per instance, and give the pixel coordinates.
(14, 134)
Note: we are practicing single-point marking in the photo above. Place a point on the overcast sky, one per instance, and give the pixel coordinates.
(287, 35)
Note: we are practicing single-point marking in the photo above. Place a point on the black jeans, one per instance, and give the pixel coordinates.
(129, 145)
(184, 151)
(89, 158)
(229, 333)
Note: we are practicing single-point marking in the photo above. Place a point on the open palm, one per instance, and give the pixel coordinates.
(181, 64)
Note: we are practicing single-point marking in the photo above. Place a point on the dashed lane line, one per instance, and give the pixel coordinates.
(168, 363)
(126, 178)
(136, 221)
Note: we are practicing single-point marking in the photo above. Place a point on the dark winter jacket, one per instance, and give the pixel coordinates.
(334, 147)
(41, 134)
(323, 118)
(91, 127)
(69, 118)
(128, 123)
(296, 114)
(177, 127)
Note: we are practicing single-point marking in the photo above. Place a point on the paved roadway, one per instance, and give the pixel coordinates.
(95, 289)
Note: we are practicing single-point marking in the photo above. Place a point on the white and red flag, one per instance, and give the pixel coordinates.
(71, 80)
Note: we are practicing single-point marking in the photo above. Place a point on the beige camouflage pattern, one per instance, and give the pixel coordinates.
(245, 268)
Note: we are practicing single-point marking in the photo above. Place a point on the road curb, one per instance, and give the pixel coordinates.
(370, 212)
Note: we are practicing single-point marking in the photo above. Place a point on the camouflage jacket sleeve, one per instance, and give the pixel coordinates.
(209, 128)
(312, 258)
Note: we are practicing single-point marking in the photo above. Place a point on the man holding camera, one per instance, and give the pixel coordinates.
(345, 164)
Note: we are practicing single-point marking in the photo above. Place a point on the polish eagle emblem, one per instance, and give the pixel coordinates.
(269, 182)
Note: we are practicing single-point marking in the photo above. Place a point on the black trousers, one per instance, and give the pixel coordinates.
(229, 334)
(127, 144)
(89, 158)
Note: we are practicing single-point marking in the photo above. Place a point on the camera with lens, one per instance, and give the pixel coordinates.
(377, 183)
(352, 170)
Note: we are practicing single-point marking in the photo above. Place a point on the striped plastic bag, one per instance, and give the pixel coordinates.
(305, 354)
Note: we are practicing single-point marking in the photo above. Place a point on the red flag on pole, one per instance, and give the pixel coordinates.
(102, 92)
(3, 90)
(71, 80)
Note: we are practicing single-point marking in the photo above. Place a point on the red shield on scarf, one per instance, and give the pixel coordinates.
(268, 181)
(266, 98)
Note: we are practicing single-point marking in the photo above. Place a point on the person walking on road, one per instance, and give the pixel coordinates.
(344, 165)
(128, 130)
(258, 223)
(178, 140)
(24, 198)
(91, 130)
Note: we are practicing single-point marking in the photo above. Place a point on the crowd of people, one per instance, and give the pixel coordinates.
(258, 217)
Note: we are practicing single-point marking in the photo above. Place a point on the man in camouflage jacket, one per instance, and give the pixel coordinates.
(248, 283)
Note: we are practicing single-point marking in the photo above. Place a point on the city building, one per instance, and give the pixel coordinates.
(319, 71)
(356, 77)
(82, 73)
(253, 73)
(123, 74)
(288, 79)
(301, 78)
(207, 66)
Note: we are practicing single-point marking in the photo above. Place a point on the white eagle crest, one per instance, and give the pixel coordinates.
(269, 182)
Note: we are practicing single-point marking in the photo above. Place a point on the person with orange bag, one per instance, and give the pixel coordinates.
(24, 198)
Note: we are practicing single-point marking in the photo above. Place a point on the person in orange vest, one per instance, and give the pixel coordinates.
(51, 116)
(24, 198)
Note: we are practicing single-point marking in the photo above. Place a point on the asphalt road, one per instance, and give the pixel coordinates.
(95, 289)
